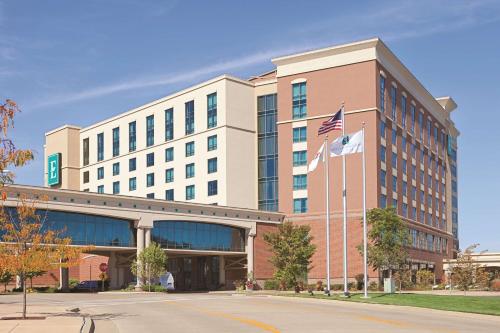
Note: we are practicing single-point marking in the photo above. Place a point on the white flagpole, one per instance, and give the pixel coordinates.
(326, 151)
(365, 250)
(344, 203)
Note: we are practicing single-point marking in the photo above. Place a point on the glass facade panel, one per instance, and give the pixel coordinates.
(169, 154)
(116, 169)
(150, 130)
(190, 194)
(212, 187)
(212, 142)
(189, 148)
(299, 100)
(212, 165)
(300, 134)
(190, 170)
(300, 158)
(132, 136)
(198, 236)
(86, 151)
(116, 141)
(132, 184)
(300, 205)
(189, 117)
(267, 152)
(169, 124)
(169, 175)
(100, 146)
(212, 110)
(150, 159)
(382, 93)
(132, 164)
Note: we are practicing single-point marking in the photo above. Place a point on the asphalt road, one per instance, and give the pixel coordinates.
(224, 312)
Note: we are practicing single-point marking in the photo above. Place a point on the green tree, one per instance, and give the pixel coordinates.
(403, 279)
(387, 237)
(5, 277)
(465, 271)
(150, 264)
(292, 250)
(425, 278)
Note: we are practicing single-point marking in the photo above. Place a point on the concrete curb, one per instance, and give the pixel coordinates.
(88, 325)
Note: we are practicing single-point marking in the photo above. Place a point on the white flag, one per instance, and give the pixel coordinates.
(314, 162)
(347, 144)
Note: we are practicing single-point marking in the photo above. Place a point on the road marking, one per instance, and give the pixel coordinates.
(384, 321)
(243, 320)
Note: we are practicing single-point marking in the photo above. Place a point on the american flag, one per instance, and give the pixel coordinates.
(334, 123)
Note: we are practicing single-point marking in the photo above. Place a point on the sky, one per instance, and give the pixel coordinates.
(79, 62)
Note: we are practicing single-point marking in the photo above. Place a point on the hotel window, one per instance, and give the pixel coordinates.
(150, 179)
(394, 160)
(436, 139)
(429, 201)
(212, 110)
(116, 141)
(403, 144)
(150, 195)
(382, 93)
(299, 100)
(383, 201)
(394, 136)
(190, 192)
(100, 189)
(422, 216)
(394, 183)
(395, 204)
(100, 173)
(86, 151)
(300, 158)
(189, 148)
(393, 102)
(169, 124)
(429, 125)
(405, 210)
(412, 115)
(413, 193)
(190, 170)
(116, 187)
(100, 146)
(403, 111)
(422, 198)
(405, 188)
(150, 159)
(132, 136)
(414, 213)
(413, 150)
(429, 182)
(300, 205)
(382, 129)
(132, 184)
(212, 165)
(189, 117)
(132, 164)
(116, 168)
(169, 175)
(422, 176)
(212, 142)
(404, 166)
(212, 187)
(383, 178)
(421, 125)
(299, 182)
(169, 195)
(150, 130)
(382, 153)
(86, 177)
(300, 134)
(414, 172)
(169, 154)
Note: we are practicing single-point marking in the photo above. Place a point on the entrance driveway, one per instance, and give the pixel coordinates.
(226, 312)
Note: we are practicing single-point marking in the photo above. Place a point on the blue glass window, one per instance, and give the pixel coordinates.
(383, 201)
(150, 159)
(383, 178)
(394, 183)
(300, 182)
(100, 173)
(421, 124)
(394, 160)
(212, 187)
(382, 93)
(100, 189)
(382, 129)
(190, 192)
(198, 236)
(300, 134)
(132, 184)
(86, 177)
(150, 195)
(169, 175)
(212, 165)
(116, 168)
(394, 136)
(412, 114)
(169, 195)
(403, 111)
(116, 141)
(405, 166)
(189, 117)
(150, 130)
(169, 154)
(150, 179)
(300, 158)
(100, 146)
(393, 102)
(190, 170)
(189, 148)
(86, 151)
(405, 188)
(116, 187)
(382, 154)
(212, 110)
(299, 100)
(169, 124)
(132, 164)
(300, 205)
(212, 142)
(132, 136)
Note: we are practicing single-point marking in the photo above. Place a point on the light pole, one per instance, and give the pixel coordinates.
(90, 266)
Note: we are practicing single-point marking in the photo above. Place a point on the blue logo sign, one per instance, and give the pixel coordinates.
(53, 169)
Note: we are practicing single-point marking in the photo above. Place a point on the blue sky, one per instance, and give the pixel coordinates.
(78, 62)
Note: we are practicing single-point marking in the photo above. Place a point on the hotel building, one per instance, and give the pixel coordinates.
(246, 144)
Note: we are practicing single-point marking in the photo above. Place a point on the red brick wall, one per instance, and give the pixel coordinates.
(263, 269)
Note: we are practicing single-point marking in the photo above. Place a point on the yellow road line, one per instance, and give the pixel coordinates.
(243, 320)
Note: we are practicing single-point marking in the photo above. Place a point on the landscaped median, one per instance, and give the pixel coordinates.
(489, 305)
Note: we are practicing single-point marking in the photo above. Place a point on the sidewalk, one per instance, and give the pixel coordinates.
(57, 319)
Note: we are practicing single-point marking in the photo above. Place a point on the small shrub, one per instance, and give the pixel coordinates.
(425, 278)
(495, 285)
(73, 283)
(337, 287)
(373, 286)
(319, 285)
(154, 288)
(271, 284)
(351, 286)
(239, 285)
(360, 279)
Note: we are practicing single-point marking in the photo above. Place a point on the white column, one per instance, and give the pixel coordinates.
(250, 253)
(147, 237)
(222, 270)
(140, 247)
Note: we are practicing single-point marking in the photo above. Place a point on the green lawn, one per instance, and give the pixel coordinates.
(474, 304)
